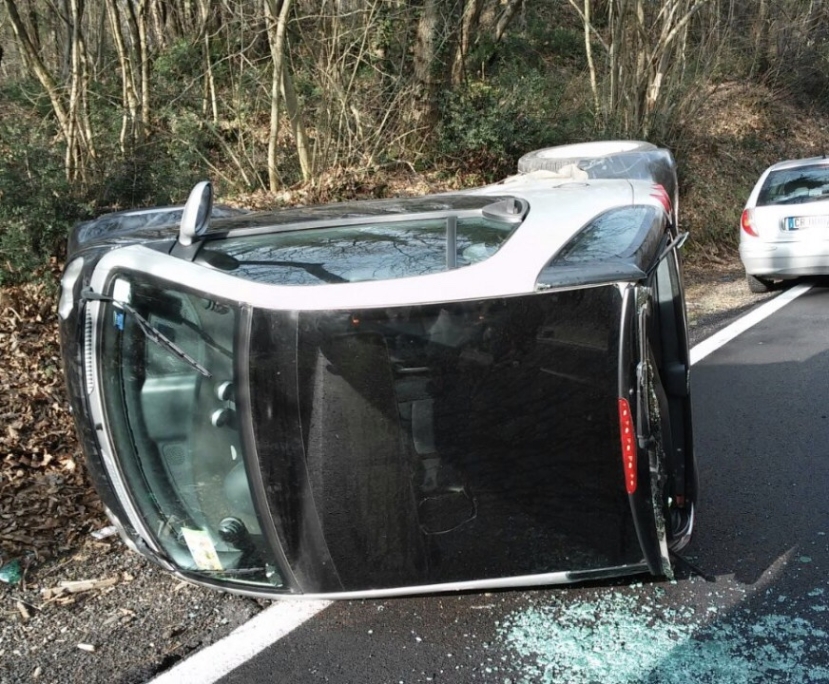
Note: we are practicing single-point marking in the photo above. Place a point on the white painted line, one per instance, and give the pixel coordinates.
(214, 662)
(753, 317)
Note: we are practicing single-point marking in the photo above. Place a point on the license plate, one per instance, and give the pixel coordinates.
(804, 222)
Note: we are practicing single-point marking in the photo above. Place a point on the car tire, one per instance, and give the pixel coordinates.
(556, 158)
(757, 284)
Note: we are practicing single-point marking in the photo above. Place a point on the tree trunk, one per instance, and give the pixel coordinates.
(760, 62)
(144, 57)
(427, 66)
(73, 160)
(130, 102)
(211, 102)
(303, 148)
(277, 18)
(34, 64)
(471, 15)
(588, 49)
(510, 10)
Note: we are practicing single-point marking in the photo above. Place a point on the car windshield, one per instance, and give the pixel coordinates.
(345, 254)
(168, 386)
(795, 186)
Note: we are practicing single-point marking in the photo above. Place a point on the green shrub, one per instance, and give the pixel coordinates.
(37, 206)
(486, 127)
(182, 61)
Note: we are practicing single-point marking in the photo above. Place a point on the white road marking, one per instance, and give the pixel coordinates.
(753, 317)
(212, 663)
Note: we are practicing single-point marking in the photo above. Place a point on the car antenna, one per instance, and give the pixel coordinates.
(196, 215)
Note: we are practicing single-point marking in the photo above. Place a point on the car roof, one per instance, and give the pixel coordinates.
(558, 208)
(564, 205)
(795, 163)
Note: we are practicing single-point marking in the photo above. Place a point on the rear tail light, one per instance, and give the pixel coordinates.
(628, 439)
(747, 223)
(661, 195)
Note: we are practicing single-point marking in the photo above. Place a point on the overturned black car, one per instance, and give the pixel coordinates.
(480, 389)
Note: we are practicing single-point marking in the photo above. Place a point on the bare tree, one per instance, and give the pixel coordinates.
(71, 110)
(640, 78)
(210, 104)
(355, 56)
(276, 12)
(433, 32)
(469, 22)
(481, 19)
(131, 120)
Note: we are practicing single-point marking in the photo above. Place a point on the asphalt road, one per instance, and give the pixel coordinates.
(762, 438)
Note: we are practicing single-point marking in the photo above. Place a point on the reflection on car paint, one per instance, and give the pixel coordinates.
(473, 404)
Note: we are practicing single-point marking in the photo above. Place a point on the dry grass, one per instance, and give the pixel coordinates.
(740, 131)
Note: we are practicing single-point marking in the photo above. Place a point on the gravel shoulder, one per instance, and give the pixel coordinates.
(715, 296)
(97, 613)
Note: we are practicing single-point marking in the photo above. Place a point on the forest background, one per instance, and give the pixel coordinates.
(111, 104)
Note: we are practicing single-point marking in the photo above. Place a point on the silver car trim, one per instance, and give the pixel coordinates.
(300, 224)
(516, 582)
(105, 445)
(483, 280)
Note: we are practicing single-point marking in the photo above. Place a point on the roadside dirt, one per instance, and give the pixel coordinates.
(716, 294)
(85, 609)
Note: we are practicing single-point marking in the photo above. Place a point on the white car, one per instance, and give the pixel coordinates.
(784, 228)
(473, 390)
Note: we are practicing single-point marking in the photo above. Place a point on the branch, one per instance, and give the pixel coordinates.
(588, 24)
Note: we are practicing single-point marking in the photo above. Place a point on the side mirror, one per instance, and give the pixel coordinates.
(196, 215)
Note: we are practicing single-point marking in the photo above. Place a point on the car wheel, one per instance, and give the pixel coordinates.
(556, 158)
(758, 285)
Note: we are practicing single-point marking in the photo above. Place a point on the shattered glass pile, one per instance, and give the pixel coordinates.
(618, 638)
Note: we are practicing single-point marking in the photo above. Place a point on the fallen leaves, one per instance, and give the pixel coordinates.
(46, 501)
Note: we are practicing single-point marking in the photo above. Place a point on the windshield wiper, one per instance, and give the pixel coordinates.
(150, 332)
